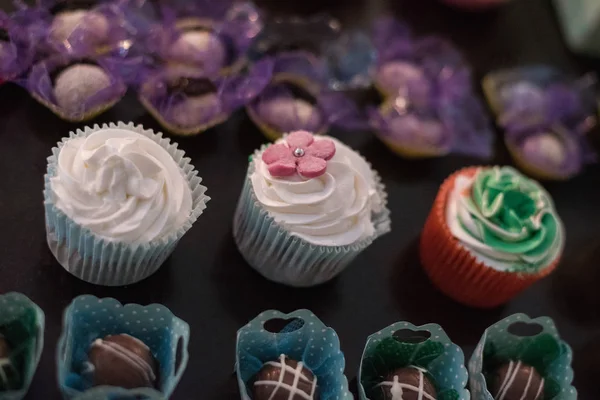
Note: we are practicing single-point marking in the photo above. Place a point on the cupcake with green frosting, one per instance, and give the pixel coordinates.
(492, 232)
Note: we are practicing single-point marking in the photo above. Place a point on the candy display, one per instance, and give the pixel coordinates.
(521, 358)
(498, 232)
(110, 350)
(546, 117)
(21, 343)
(310, 199)
(408, 362)
(300, 361)
(131, 177)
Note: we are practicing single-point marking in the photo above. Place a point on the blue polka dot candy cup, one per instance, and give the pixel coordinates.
(534, 342)
(22, 327)
(425, 347)
(89, 318)
(302, 337)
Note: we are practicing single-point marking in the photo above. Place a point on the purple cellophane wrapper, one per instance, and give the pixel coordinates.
(16, 54)
(391, 38)
(40, 85)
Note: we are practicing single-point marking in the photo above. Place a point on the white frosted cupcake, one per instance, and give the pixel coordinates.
(310, 204)
(118, 199)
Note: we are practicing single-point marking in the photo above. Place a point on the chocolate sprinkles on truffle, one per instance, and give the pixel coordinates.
(285, 379)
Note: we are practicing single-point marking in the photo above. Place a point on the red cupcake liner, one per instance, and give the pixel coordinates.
(456, 272)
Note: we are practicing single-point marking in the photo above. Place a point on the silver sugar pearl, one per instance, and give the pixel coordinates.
(298, 152)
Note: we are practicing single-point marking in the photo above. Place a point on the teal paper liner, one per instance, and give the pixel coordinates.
(282, 257)
(89, 317)
(96, 260)
(448, 370)
(310, 342)
(16, 307)
(504, 342)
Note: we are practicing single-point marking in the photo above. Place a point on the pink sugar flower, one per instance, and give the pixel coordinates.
(299, 153)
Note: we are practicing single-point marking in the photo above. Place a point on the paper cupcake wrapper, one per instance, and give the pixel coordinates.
(280, 256)
(305, 339)
(97, 260)
(88, 318)
(545, 351)
(457, 272)
(26, 322)
(39, 84)
(443, 360)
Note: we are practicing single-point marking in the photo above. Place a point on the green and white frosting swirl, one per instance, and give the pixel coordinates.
(506, 220)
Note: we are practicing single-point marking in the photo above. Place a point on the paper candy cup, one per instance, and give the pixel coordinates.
(88, 318)
(545, 351)
(97, 260)
(443, 360)
(457, 272)
(305, 339)
(22, 324)
(280, 256)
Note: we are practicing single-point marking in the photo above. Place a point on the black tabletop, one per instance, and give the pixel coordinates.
(207, 283)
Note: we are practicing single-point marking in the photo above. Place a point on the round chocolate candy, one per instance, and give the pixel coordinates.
(9, 378)
(202, 42)
(77, 83)
(290, 114)
(285, 379)
(517, 381)
(123, 361)
(199, 101)
(548, 146)
(65, 23)
(410, 383)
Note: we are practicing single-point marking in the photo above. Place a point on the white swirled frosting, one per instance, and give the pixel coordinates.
(333, 209)
(122, 186)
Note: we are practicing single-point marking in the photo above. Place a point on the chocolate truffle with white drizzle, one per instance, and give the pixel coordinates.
(123, 361)
(517, 381)
(410, 383)
(285, 379)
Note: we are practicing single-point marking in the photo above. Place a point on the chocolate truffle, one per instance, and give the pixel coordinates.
(410, 383)
(285, 379)
(8, 374)
(77, 83)
(548, 146)
(290, 114)
(200, 42)
(66, 22)
(517, 381)
(123, 361)
(198, 104)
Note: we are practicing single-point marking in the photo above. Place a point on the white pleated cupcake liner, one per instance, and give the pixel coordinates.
(103, 262)
(282, 257)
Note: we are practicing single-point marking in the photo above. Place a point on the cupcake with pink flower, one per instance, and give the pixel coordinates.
(310, 204)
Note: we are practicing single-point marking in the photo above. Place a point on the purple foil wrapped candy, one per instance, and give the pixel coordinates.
(17, 48)
(75, 89)
(187, 101)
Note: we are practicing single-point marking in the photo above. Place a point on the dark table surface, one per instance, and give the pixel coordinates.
(207, 283)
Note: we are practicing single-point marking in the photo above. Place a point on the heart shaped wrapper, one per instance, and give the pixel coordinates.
(305, 339)
(545, 351)
(22, 324)
(88, 318)
(443, 360)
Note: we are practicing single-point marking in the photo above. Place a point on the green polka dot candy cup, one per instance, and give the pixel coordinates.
(290, 356)
(418, 360)
(108, 350)
(21, 343)
(523, 357)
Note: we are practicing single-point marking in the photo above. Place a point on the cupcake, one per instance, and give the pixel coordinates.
(545, 116)
(301, 360)
(309, 206)
(21, 343)
(524, 359)
(76, 89)
(415, 362)
(118, 198)
(108, 350)
(491, 233)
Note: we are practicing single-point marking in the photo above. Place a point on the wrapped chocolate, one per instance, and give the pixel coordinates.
(108, 350)
(76, 89)
(17, 48)
(414, 360)
(294, 353)
(187, 101)
(294, 100)
(545, 116)
(524, 358)
(21, 344)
